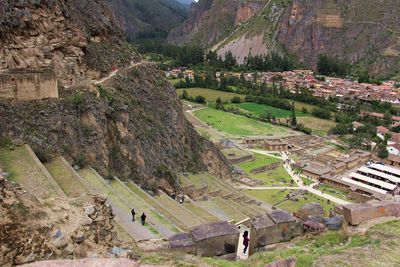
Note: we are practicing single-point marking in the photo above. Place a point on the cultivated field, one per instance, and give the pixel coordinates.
(260, 109)
(239, 126)
(209, 94)
(319, 126)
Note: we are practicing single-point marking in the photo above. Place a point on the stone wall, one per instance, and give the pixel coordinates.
(356, 214)
(27, 86)
(208, 240)
(275, 227)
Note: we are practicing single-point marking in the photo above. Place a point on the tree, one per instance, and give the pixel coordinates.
(230, 61)
(382, 151)
(293, 119)
(200, 99)
(322, 113)
(387, 119)
(219, 104)
(185, 95)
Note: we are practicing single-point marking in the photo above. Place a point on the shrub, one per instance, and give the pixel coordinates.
(236, 100)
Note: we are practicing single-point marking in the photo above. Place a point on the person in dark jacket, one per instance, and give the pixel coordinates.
(133, 214)
(246, 241)
(143, 217)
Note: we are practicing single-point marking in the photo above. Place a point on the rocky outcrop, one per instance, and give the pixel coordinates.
(208, 21)
(58, 35)
(56, 229)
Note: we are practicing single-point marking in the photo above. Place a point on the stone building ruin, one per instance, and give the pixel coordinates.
(28, 85)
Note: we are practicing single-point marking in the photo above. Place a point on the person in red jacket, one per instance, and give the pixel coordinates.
(246, 241)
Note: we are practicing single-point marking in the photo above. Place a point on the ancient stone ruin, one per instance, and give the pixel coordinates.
(208, 240)
(24, 85)
(356, 214)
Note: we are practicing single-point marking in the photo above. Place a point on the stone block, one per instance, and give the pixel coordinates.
(356, 214)
(312, 209)
(215, 239)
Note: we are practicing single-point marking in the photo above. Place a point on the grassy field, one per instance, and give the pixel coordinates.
(260, 109)
(318, 126)
(175, 81)
(335, 192)
(209, 94)
(274, 196)
(277, 177)
(239, 126)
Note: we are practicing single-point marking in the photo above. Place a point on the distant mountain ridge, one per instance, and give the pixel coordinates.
(147, 18)
(364, 33)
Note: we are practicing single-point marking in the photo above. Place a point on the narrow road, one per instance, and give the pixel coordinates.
(115, 72)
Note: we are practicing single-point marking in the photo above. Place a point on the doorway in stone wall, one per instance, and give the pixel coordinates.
(240, 254)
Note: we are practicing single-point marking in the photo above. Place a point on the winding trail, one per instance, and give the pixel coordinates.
(115, 72)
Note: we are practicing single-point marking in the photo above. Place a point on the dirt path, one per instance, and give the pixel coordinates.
(115, 72)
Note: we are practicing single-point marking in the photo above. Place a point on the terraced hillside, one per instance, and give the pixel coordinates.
(66, 177)
(25, 168)
(121, 207)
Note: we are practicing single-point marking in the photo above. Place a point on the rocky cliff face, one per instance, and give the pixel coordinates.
(132, 126)
(58, 35)
(362, 32)
(211, 20)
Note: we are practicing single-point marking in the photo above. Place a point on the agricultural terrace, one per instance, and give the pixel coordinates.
(209, 94)
(274, 177)
(239, 126)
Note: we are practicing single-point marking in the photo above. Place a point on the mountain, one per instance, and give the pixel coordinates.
(149, 18)
(364, 33)
(130, 125)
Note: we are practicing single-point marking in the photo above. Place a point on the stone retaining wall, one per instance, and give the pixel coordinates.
(28, 86)
(356, 214)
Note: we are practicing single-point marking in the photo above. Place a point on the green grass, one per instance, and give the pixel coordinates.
(274, 196)
(305, 251)
(259, 161)
(307, 181)
(66, 178)
(175, 81)
(210, 94)
(336, 192)
(260, 109)
(277, 177)
(239, 126)
(23, 169)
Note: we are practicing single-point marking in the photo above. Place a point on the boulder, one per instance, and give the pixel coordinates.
(333, 223)
(79, 237)
(314, 227)
(89, 210)
(308, 210)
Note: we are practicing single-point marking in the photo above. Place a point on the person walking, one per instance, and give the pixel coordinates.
(246, 241)
(133, 214)
(143, 217)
